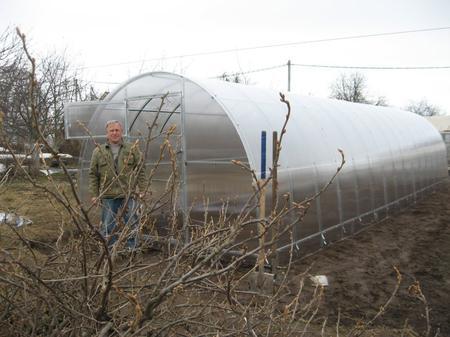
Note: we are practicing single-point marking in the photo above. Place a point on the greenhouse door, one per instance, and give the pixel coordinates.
(158, 122)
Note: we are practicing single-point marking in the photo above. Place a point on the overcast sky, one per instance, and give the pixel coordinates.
(114, 40)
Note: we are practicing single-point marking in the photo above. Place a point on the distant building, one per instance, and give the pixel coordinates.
(442, 123)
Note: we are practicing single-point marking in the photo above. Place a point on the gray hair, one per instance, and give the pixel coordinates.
(113, 121)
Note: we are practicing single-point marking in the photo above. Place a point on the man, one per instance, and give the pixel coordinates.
(115, 173)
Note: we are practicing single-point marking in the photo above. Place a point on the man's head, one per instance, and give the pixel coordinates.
(114, 131)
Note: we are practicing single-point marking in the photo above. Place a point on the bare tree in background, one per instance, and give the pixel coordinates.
(379, 101)
(57, 84)
(9, 45)
(424, 108)
(54, 83)
(13, 81)
(353, 88)
(234, 78)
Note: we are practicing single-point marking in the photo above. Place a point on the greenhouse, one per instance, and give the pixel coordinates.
(392, 156)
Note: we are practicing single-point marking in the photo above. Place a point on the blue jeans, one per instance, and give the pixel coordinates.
(110, 210)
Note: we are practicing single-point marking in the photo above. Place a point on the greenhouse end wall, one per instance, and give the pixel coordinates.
(392, 156)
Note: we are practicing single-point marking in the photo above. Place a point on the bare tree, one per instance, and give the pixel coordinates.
(13, 81)
(234, 78)
(54, 82)
(423, 108)
(353, 88)
(57, 83)
(9, 46)
(379, 101)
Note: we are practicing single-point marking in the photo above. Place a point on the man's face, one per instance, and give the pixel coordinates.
(114, 133)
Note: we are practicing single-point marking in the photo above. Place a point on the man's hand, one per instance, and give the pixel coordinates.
(95, 201)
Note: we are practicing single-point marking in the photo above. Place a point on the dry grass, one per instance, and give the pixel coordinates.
(22, 198)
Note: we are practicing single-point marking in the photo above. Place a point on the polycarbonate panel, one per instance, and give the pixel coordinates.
(215, 140)
(373, 172)
(77, 118)
(155, 114)
(328, 200)
(217, 185)
(346, 183)
(147, 85)
(200, 101)
(391, 155)
(305, 179)
(159, 146)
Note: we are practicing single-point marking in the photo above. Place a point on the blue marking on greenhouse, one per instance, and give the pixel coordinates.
(263, 154)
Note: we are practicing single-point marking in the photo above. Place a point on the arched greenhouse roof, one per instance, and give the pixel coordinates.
(391, 155)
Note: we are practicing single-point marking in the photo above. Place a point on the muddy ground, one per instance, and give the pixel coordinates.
(361, 271)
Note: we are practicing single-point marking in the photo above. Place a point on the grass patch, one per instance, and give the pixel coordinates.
(49, 218)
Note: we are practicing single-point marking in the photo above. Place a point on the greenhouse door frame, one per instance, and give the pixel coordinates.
(184, 184)
(183, 150)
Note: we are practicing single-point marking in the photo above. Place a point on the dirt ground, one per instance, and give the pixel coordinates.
(361, 276)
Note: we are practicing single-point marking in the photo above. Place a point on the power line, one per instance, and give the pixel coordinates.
(312, 66)
(332, 67)
(223, 51)
(104, 82)
(250, 71)
(370, 67)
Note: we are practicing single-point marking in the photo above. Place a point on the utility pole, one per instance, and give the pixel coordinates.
(289, 75)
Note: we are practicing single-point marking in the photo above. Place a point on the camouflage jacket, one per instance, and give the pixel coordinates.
(109, 179)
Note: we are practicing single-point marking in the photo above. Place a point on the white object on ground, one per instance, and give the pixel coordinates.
(14, 219)
(320, 280)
